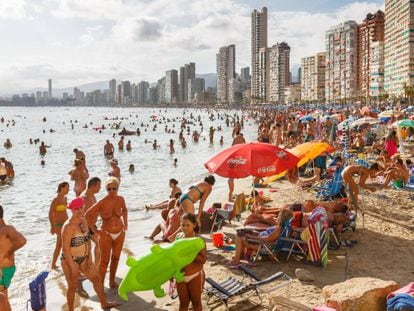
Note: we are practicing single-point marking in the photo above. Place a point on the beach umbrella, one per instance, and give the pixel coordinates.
(252, 159)
(305, 152)
(365, 120)
(307, 118)
(409, 109)
(390, 113)
(404, 123)
(345, 124)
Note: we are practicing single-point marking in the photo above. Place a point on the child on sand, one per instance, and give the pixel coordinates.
(190, 290)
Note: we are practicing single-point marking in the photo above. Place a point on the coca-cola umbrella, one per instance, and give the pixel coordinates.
(251, 159)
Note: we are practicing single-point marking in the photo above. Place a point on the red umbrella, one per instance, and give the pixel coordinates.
(256, 159)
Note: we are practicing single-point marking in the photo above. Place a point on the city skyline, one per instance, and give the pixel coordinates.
(100, 40)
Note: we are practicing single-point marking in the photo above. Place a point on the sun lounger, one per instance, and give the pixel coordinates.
(233, 287)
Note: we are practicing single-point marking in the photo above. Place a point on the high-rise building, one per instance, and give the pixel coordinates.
(161, 90)
(341, 61)
(245, 74)
(126, 92)
(313, 77)
(299, 77)
(258, 42)
(187, 72)
(119, 94)
(279, 70)
(195, 85)
(226, 70)
(143, 92)
(376, 85)
(153, 95)
(398, 46)
(112, 90)
(262, 76)
(77, 94)
(369, 31)
(49, 82)
(292, 94)
(171, 86)
(45, 95)
(38, 96)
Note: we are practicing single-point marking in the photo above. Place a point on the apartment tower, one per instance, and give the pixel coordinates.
(226, 70)
(258, 42)
(171, 86)
(371, 30)
(187, 72)
(398, 46)
(313, 77)
(279, 72)
(49, 84)
(341, 61)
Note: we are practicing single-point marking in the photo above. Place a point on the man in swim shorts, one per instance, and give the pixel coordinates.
(10, 241)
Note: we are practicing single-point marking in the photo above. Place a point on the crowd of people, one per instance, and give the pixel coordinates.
(92, 237)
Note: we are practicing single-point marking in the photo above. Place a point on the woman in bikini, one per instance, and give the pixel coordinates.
(363, 173)
(199, 192)
(76, 258)
(57, 217)
(80, 176)
(164, 204)
(114, 215)
(191, 289)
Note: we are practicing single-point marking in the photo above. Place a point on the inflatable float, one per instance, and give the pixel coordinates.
(151, 271)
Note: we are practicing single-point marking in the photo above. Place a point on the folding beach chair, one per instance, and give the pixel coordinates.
(232, 287)
(332, 188)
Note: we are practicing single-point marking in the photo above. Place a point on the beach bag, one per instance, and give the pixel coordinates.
(38, 292)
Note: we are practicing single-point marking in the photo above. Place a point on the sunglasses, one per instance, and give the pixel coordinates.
(112, 189)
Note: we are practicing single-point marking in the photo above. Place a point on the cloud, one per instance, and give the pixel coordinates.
(12, 9)
(141, 39)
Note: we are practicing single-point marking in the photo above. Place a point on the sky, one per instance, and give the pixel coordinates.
(81, 41)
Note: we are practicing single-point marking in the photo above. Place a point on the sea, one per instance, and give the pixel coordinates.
(26, 200)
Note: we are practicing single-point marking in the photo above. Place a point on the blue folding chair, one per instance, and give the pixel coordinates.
(332, 188)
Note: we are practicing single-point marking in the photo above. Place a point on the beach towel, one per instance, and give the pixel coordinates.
(407, 289)
(400, 302)
(319, 236)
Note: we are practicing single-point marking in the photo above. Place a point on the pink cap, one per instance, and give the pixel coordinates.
(76, 203)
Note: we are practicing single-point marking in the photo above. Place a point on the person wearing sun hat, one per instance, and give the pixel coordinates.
(114, 214)
(76, 255)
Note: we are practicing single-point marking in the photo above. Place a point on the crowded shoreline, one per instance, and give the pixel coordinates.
(264, 136)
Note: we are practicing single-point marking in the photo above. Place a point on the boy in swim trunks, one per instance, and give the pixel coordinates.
(10, 241)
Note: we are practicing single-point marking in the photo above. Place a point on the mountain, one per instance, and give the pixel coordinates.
(210, 79)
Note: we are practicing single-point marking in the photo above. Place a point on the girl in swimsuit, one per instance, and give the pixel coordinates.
(76, 257)
(164, 204)
(200, 192)
(57, 217)
(114, 215)
(190, 290)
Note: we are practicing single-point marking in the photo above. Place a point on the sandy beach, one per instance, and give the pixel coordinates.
(385, 250)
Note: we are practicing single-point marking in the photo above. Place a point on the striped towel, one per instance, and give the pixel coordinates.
(319, 236)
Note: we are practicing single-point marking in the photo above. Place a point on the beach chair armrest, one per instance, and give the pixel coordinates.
(292, 240)
(249, 273)
(274, 277)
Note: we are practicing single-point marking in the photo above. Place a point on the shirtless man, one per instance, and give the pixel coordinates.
(363, 173)
(115, 170)
(114, 215)
(109, 149)
(42, 148)
(238, 139)
(10, 241)
(94, 185)
(121, 143)
(80, 155)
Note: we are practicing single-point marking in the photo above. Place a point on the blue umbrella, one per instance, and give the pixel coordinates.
(307, 119)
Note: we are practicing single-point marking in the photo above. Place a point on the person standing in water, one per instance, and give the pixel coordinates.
(115, 170)
(57, 217)
(121, 143)
(80, 175)
(114, 214)
(10, 241)
(109, 149)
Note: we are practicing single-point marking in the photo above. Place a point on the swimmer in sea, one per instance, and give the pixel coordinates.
(109, 149)
(57, 217)
(115, 170)
(7, 144)
(121, 143)
(43, 148)
(114, 214)
(131, 168)
(129, 146)
(80, 176)
(79, 154)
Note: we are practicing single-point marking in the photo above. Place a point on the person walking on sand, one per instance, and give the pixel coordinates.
(10, 241)
(94, 186)
(57, 217)
(76, 256)
(114, 214)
